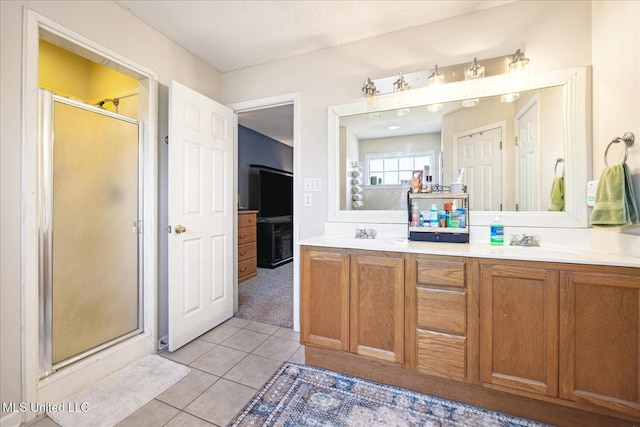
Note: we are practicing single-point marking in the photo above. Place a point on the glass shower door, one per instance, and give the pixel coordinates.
(92, 294)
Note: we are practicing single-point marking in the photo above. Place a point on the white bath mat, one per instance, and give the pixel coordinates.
(119, 395)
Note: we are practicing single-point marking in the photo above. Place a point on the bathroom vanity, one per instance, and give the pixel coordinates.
(546, 334)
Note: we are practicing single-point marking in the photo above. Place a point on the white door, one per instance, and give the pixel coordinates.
(527, 160)
(479, 152)
(200, 214)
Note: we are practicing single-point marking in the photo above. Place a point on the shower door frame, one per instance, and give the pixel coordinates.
(45, 232)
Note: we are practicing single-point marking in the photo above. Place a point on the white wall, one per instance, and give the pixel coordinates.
(616, 83)
(113, 27)
(555, 35)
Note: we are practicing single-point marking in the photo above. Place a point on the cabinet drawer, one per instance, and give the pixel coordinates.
(246, 235)
(246, 251)
(442, 355)
(246, 268)
(440, 273)
(246, 220)
(442, 310)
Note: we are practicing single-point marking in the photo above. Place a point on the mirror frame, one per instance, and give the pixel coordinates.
(576, 83)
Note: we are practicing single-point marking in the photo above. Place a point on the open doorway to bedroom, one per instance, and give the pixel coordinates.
(265, 195)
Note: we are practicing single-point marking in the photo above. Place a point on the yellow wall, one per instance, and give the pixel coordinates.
(73, 76)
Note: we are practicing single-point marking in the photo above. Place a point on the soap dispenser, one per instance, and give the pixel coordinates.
(497, 232)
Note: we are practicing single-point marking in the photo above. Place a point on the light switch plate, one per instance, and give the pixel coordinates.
(308, 201)
(592, 186)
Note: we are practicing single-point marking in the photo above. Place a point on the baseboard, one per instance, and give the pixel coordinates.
(11, 420)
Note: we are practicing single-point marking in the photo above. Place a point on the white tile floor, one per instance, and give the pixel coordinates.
(228, 365)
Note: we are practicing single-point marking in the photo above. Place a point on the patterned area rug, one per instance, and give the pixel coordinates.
(300, 395)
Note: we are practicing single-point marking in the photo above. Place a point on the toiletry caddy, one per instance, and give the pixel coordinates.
(438, 234)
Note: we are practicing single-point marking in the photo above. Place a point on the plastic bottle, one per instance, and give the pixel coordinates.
(415, 214)
(452, 217)
(497, 232)
(462, 221)
(421, 224)
(433, 216)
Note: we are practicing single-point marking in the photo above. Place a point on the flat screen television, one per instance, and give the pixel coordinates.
(275, 196)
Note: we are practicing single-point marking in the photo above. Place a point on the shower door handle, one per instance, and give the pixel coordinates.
(180, 229)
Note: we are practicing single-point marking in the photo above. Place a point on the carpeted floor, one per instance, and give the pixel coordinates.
(300, 395)
(268, 298)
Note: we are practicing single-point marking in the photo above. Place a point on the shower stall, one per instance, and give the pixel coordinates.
(90, 231)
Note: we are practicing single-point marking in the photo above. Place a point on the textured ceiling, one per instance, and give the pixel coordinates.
(231, 35)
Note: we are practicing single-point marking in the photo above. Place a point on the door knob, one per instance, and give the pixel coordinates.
(180, 229)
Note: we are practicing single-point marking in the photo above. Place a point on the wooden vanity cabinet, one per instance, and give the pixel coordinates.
(353, 301)
(563, 331)
(324, 298)
(519, 318)
(600, 337)
(437, 297)
(550, 341)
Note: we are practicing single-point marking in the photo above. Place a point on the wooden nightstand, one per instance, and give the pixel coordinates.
(247, 246)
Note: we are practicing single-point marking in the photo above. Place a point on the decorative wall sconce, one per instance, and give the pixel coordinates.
(519, 61)
(517, 74)
(400, 84)
(436, 78)
(475, 71)
(369, 88)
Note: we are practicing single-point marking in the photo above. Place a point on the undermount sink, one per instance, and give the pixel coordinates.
(537, 252)
(371, 242)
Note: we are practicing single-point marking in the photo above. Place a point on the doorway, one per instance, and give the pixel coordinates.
(265, 179)
(115, 355)
(480, 152)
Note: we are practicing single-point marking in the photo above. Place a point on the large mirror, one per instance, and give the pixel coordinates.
(512, 151)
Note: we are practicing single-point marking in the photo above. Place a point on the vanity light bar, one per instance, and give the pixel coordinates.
(453, 73)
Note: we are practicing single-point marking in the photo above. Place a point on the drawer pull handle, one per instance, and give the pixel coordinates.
(243, 270)
(242, 237)
(243, 253)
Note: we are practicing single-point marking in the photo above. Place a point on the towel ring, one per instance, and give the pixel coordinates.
(628, 139)
(555, 168)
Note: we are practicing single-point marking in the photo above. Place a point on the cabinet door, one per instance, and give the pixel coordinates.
(377, 306)
(325, 298)
(519, 328)
(599, 340)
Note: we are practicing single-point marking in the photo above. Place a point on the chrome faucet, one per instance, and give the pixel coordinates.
(363, 233)
(525, 240)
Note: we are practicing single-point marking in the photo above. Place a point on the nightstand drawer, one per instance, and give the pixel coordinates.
(246, 220)
(246, 235)
(247, 268)
(246, 251)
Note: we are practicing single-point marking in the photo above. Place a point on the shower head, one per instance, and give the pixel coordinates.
(114, 101)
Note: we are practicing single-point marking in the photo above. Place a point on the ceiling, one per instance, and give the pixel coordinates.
(231, 35)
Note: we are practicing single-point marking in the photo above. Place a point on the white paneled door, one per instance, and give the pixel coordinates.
(200, 214)
(528, 160)
(479, 152)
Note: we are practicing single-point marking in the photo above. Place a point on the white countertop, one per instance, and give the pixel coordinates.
(477, 250)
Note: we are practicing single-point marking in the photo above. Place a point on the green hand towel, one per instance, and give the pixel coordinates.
(615, 200)
(557, 194)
